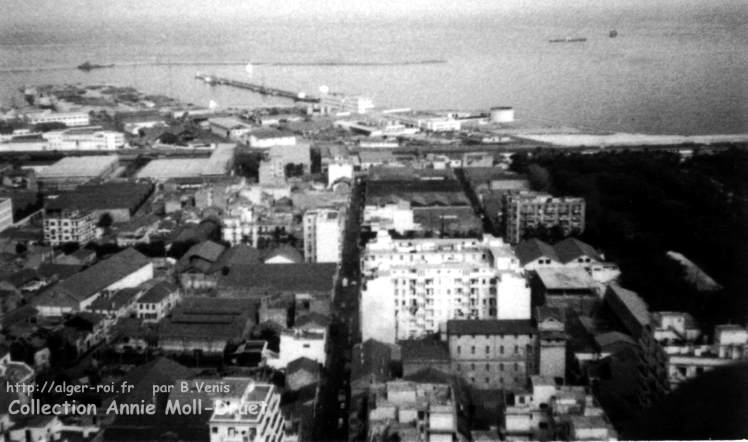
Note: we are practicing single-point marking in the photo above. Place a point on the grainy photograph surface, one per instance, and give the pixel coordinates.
(427, 220)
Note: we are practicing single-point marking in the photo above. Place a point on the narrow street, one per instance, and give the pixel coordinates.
(331, 423)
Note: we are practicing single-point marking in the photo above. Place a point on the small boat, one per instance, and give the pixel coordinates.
(88, 66)
(613, 33)
(568, 40)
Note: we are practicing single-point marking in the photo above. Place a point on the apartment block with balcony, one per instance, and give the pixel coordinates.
(69, 226)
(525, 211)
(248, 411)
(417, 285)
(323, 235)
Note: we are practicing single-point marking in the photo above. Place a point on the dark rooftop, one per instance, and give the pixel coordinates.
(263, 278)
(426, 348)
(490, 327)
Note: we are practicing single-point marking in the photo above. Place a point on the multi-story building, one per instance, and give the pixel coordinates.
(413, 411)
(334, 103)
(417, 285)
(6, 213)
(66, 118)
(523, 212)
(493, 353)
(248, 411)
(688, 354)
(85, 139)
(634, 316)
(323, 234)
(69, 226)
(549, 411)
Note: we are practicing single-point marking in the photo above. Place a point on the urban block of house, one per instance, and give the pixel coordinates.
(549, 411)
(206, 324)
(689, 354)
(413, 411)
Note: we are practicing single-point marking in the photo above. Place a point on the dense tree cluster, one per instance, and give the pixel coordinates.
(641, 204)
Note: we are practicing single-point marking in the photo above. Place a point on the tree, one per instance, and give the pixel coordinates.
(539, 177)
(105, 221)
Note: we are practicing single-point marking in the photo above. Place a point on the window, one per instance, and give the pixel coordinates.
(214, 430)
(488, 349)
(501, 349)
(459, 350)
(488, 367)
(472, 350)
(516, 349)
(472, 366)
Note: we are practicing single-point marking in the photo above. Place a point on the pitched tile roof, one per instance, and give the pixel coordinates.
(572, 248)
(83, 285)
(303, 363)
(429, 375)
(158, 292)
(426, 348)
(285, 251)
(263, 278)
(531, 249)
(490, 327)
(631, 301)
(311, 319)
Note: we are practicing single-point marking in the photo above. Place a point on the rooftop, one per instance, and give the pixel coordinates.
(565, 278)
(87, 166)
(96, 278)
(490, 327)
(301, 278)
(158, 292)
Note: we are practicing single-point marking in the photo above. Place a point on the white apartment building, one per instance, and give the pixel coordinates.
(69, 226)
(323, 235)
(239, 226)
(396, 216)
(248, 412)
(338, 103)
(84, 139)
(412, 287)
(67, 118)
(6, 213)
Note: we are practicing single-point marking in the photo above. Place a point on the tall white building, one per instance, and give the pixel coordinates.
(84, 139)
(339, 103)
(67, 118)
(247, 411)
(323, 235)
(412, 287)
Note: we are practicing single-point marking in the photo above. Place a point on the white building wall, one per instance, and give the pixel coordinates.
(378, 311)
(513, 293)
(292, 347)
(134, 279)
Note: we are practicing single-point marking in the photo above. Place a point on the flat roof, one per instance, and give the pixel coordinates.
(565, 278)
(87, 166)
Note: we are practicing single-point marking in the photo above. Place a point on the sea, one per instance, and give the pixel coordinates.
(670, 70)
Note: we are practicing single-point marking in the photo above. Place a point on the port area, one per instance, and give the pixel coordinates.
(257, 88)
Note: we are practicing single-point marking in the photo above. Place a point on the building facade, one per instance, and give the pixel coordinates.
(417, 285)
(493, 353)
(248, 412)
(525, 211)
(323, 235)
(69, 226)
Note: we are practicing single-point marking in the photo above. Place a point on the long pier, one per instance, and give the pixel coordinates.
(257, 88)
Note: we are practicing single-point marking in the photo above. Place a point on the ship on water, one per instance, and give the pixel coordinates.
(568, 40)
